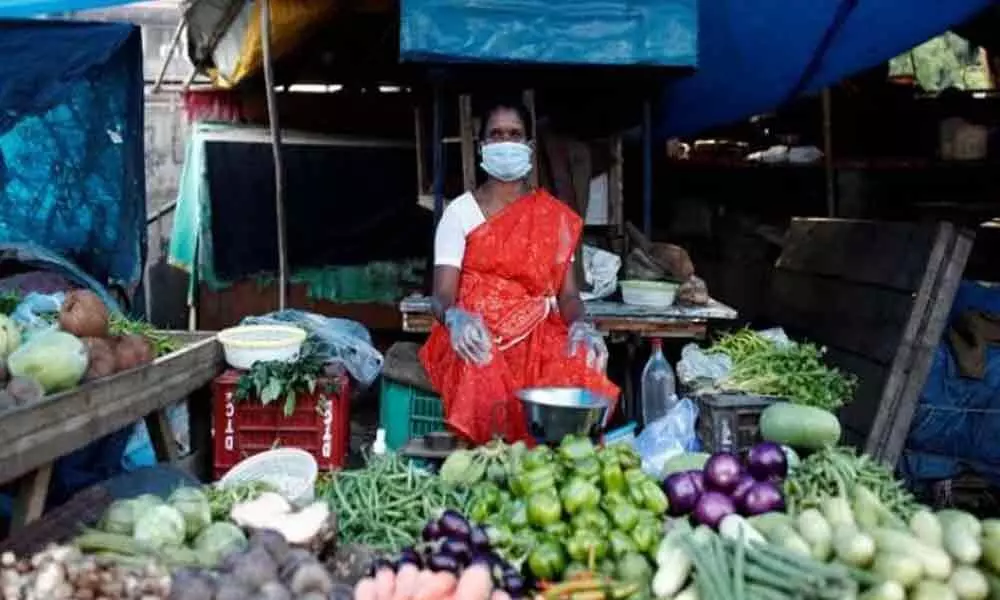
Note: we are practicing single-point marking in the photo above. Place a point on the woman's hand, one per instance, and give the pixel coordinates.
(583, 335)
(469, 337)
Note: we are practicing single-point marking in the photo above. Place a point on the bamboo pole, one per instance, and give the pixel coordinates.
(279, 171)
(831, 188)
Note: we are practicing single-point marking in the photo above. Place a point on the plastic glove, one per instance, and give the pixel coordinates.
(583, 335)
(469, 337)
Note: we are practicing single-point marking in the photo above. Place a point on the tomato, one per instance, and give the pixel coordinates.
(544, 509)
(547, 561)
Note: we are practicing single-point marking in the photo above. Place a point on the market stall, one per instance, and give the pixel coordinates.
(33, 436)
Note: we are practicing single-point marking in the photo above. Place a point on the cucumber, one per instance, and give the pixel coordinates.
(927, 527)
(815, 530)
(853, 547)
(768, 522)
(837, 511)
(966, 521)
(799, 426)
(735, 528)
(969, 584)
(887, 590)
(936, 562)
(961, 544)
(991, 555)
(788, 538)
(991, 528)
(901, 568)
(994, 583)
(932, 590)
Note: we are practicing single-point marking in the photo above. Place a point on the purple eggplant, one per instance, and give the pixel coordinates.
(478, 538)
(722, 472)
(682, 493)
(766, 461)
(514, 585)
(712, 508)
(454, 525)
(442, 561)
(761, 498)
(432, 531)
(410, 556)
(457, 548)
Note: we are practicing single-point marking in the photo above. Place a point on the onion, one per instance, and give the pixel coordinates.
(722, 472)
(712, 507)
(766, 461)
(762, 497)
(742, 487)
(682, 493)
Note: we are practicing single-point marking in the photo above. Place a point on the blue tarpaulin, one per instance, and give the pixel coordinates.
(72, 174)
(754, 56)
(31, 8)
(652, 33)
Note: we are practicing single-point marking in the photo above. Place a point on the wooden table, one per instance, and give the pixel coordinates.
(683, 322)
(32, 437)
(620, 322)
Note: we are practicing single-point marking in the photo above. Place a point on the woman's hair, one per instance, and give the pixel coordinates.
(512, 104)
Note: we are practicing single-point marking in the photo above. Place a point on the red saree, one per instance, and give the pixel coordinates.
(514, 264)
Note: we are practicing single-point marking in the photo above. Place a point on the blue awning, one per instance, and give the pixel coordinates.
(754, 56)
(33, 8)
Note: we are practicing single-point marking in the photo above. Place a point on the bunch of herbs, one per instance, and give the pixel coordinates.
(270, 381)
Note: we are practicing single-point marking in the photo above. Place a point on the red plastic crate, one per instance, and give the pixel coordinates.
(242, 428)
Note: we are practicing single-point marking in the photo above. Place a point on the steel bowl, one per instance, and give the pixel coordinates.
(555, 412)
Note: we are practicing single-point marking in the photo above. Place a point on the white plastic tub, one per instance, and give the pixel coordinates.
(247, 344)
(654, 294)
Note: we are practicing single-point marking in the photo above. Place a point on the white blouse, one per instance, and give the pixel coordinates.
(459, 219)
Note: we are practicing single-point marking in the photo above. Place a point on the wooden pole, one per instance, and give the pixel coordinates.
(279, 171)
(831, 187)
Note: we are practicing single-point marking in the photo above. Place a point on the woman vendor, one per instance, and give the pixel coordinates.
(508, 310)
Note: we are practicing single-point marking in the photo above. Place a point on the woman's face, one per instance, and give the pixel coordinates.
(505, 125)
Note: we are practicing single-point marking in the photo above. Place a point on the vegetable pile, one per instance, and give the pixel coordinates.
(794, 371)
(386, 504)
(728, 486)
(178, 532)
(835, 471)
(558, 509)
(455, 559)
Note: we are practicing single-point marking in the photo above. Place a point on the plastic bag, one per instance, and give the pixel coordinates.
(601, 270)
(37, 312)
(667, 437)
(699, 370)
(55, 359)
(337, 341)
(139, 451)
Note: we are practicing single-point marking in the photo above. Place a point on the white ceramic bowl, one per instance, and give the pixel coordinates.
(654, 294)
(247, 344)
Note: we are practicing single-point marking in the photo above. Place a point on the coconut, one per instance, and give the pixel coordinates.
(101, 358)
(131, 351)
(84, 315)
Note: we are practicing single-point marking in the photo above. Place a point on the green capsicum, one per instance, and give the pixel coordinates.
(635, 476)
(589, 468)
(574, 449)
(634, 568)
(544, 508)
(646, 536)
(500, 536)
(653, 497)
(560, 530)
(535, 480)
(517, 514)
(625, 516)
(579, 494)
(612, 477)
(621, 543)
(580, 546)
(592, 520)
(539, 456)
(480, 510)
(628, 457)
(547, 561)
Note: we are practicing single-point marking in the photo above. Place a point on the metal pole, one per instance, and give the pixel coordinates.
(647, 169)
(438, 141)
(279, 171)
(831, 184)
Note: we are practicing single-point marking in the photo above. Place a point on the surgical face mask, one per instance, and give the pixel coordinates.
(506, 161)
